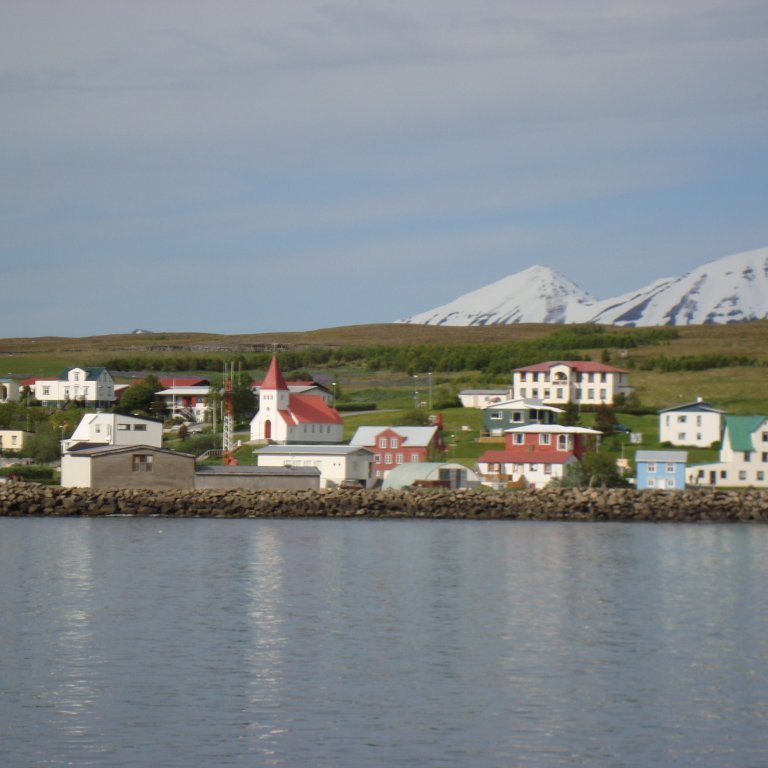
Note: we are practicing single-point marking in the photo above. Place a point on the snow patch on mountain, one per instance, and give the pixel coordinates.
(727, 290)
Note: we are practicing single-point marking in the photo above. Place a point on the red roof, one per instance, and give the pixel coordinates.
(582, 366)
(182, 381)
(522, 456)
(312, 409)
(274, 378)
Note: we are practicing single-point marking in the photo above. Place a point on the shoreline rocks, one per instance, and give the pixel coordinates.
(578, 504)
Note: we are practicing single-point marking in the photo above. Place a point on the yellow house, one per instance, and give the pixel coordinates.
(12, 440)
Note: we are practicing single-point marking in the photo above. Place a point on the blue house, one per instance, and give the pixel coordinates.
(662, 470)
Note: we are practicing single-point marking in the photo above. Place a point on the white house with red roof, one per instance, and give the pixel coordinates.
(577, 381)
(534, 455)
(288, 417)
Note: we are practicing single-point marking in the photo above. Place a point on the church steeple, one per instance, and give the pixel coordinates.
(274, 391)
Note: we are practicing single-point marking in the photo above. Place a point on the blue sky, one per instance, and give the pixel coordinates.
(239, 167)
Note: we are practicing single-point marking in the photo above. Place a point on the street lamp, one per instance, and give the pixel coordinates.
(415, 393)
(429, 377)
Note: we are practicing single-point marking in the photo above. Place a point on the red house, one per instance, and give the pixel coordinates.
(534, 454)
(393, 446)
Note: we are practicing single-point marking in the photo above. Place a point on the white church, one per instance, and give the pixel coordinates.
(288, 418)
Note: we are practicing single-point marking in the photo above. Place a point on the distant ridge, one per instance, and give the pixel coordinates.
(727, 290)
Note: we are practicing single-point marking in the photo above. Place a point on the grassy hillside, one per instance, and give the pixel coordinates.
(739, 388)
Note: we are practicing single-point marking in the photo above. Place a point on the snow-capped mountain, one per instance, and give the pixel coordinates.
(535, 295)
(727, 290)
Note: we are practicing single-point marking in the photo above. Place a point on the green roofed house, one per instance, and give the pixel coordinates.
(743, 456)
(90, 387)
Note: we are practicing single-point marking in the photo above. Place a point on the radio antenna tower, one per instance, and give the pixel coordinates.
(229, 411)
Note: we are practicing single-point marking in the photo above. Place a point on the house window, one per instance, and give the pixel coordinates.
(518, 439)
(761, 476)
(382, 442)
(603, 394)
(97, 429)
(517, 416)
(414, 458)
(547, 469)
(681, 435)
(747, 456)
(377, 458)
(670, 469)
(559, 393)
(393, 442)
(682, 419)
(765, 457)
(742, 474)
(670, 482)
(534, 467)
(651, 482)
(562, 442)
(123, 427)
(387, 458)
(495, 415)
(139, 427)
(46, 390)
(652, 467)
(142, 462)
(535, 392)
(523, 393)
(545, 439)
(547, 394)
(399, 458)
(698, 421)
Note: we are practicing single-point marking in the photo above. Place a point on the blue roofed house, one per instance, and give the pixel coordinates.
(743, 456)
(660, 470)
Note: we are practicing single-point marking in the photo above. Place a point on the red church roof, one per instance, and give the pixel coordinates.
(312, 409)
(274, 378)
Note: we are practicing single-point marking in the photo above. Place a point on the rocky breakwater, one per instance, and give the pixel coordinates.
(27, 499)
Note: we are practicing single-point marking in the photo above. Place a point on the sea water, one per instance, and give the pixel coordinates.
(185, 643)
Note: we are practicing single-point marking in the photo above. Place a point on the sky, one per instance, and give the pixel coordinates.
(255, 166)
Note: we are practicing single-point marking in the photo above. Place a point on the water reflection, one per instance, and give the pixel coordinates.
(367, 643)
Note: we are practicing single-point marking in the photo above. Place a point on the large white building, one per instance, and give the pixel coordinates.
(577, 381)
(90, 387)
(695, 424)
(338, 464)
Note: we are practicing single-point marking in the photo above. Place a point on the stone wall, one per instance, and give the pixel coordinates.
(29, 499)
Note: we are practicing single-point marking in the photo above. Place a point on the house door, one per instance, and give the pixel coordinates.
(713, 478)
(268, 429)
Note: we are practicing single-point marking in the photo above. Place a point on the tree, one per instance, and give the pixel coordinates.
(599, 468)
(571, 416)
(141, 398)
(605, 419)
